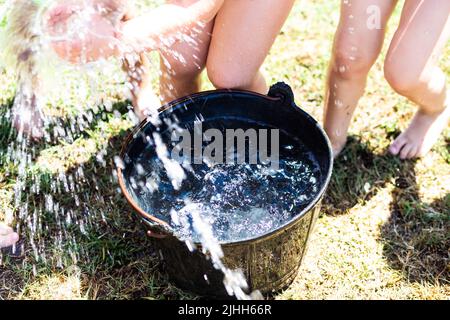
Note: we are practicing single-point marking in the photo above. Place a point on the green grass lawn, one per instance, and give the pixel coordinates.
(384, 231)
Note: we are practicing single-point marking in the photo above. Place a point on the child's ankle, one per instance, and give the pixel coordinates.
(433, 111)
(437, 111)
(338, 145)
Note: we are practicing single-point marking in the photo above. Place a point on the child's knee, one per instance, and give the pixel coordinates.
(350, 62)
(402, 80)
(224, 77)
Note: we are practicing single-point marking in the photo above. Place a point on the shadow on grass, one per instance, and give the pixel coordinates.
(417, 235)
(80, 218)
(357, 175)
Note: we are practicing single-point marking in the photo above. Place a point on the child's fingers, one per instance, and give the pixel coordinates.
(8, 240)
(4, 230)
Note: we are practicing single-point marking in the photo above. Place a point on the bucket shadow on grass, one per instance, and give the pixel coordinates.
(417, 234)
(110, 250)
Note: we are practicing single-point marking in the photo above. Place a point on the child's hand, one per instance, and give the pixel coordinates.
(81, 33)
(7, 236)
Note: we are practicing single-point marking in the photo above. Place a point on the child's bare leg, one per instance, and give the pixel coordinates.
(355, 49)
(243, 35)
(411, 69)
(7, 236)
(182, 63)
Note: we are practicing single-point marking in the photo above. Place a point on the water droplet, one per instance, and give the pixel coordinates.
(338, 103)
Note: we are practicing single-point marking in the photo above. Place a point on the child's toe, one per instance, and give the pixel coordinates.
(413, 152)
(404, 152)
(396, 146)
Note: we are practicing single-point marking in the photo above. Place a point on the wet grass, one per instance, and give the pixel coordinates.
(384, 231)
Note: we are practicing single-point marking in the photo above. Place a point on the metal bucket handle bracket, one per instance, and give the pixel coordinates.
(155, 230)
(284, 92)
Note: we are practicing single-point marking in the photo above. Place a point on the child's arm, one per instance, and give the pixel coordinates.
(153, 30)
(159, 27)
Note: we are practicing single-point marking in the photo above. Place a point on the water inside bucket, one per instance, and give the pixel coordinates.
(240, 201)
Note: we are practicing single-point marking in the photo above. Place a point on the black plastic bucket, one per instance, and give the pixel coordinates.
(270, 262)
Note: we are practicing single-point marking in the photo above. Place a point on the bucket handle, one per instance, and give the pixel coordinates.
(284, 92)
(153, 231)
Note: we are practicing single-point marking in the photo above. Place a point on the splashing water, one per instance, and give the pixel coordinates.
(46, 178)
(42, 77)
(42, 176)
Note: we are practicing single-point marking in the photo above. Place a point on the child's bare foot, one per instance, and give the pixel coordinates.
(7, 236)
(421, 135)
(27, 118)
